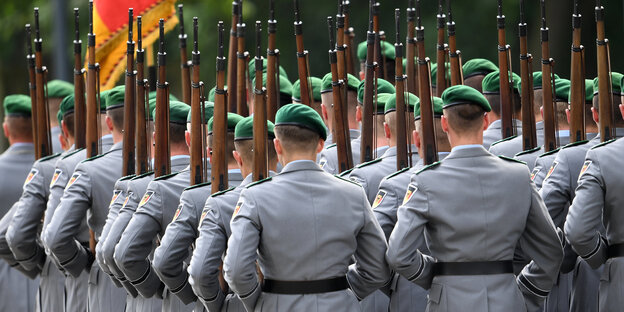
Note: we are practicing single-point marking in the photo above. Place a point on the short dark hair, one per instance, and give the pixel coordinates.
(245, 150)
(117, 115)
(20, 126)
(68, 120)
(475, 81)
(295, 138)
(229, 147)
(495, 103)
(177, 133)
(465, 117)
(617, 100)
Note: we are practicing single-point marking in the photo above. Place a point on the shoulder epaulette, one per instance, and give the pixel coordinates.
(99, 156)
(504, 140)
(222, 192)
(72, 153)
(166, 176)
(259, 182)
(529, 151)
(511, 159)
(427, 167)
(603, 143)
(376, 160)
(49, 157)
(575, 143)
(398, 172)
(345, 173)
(550, 153)
(330, 146)
(142, 175)
(350, 181)
(128, 177)
(197, 186)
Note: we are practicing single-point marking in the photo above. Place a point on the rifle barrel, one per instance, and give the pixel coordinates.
(184, 63)
(507, 126)
(429, 143)
(79, 88)
(92, 99)
(605, 94)
(260, 160)
(218, 160)
(577, 81)
(549, 107)
(529, 136)
(401, 118)
(44, 143)
(302, 59)
(142, 132)
(162, 162)
(128, 166)
(366, 145)
(232, 63)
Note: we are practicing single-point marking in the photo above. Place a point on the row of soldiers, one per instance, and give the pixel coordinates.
(452, 235)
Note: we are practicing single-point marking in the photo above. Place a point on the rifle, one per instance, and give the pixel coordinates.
(128, 166)
(349, 35)
(219, 128)
(32, 83)
(93, 93)
(549, 106)
(457, 75)
(184, 63)
(302, 59)
(577, 80)
(342, 58)
(529, 136)
(504, 50)
(605, 94)
(412, 84)
(241, 65)
(340, 128)
(441, 52)
(44, 144)
(260, 160)
(79, 88)
(429, 143)
(162, 162)
(378, 53)
(272, 59)
(232, 70)
(142, 132)
(366, 145)
(401, 118)
(197, 164)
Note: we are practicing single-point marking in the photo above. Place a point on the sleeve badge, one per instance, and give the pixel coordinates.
(73, 180)
(115, 196)
(31, 175)
(380, 197)
(177, 213)
(534, 173)
(56, 176)
(411, 189)
(586, 165)
(551, 170)
(237, 209)
(146, 198)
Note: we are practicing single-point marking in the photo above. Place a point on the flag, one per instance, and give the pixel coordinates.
(110, 25)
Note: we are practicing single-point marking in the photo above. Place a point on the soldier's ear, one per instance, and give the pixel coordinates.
(324, 113)
(416, 138)
(622, 110)
(238, 158)
(278, 146)
(358, 113)
(595, 115)
(5, 127)
(187, 138)
(320, 145)
(486, 121)
(444, 124)
(387, 131)
(568, 115)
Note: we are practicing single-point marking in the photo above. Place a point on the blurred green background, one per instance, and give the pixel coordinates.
(476, 33)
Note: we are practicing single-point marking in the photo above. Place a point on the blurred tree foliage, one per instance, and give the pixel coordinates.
(476, 32)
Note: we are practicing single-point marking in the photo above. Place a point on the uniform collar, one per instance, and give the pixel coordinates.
(23, 146)
(470, 150)
(496, 124)
(180, 160)
(539, 125)
(390, 151)
(354, 133)
(302, 164)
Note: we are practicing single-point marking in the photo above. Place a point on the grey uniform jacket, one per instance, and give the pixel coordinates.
(514, 145)
(173, 255)
(598, 202)
(87, 193)
(493, 132)
(328, 158)
(468, 212)
(320, 224)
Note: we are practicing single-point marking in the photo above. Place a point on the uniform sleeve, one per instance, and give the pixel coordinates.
(556, 189)
(5, 252)
(539, 172)
(174, 248)
(585, 215)
(403, 255)
(370, 270)
(541, 243)
(329, 161)
(113, 210)
(385, 207)
(358, 176)
(57, 188)
(496, 149)
(135, 245)
(22, 232)
(240, 260)
(207, 257)
(72, 209)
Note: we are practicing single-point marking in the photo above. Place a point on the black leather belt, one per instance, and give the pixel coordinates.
(473, 268)
(305, 287)
(615, 251)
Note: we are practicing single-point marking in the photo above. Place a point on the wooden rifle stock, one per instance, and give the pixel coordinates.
(128, 166)
(401, 109)
(412, 82)
(507, 123)
(79, 88)
(196, 149)
(342, 62)
(378, 52)
(429, 143)
(44, 143)
(162, 162)
(232, 70)
(218, 160)
(302, 59)
(366, 144)
(441, 52)
(32, 83)
(184, 63)
(93, 94)
(241, 66)
(272, 70)
(529, 135)
(260, 132)
(577, 81)
(605, 94)
(349, 35)
(457, 75)
(142, 132)
(548, 104)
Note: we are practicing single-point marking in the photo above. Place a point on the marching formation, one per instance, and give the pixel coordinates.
(399, 185)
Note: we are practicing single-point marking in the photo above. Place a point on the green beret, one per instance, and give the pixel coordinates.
(382, 99)
(434, 72)
(461, 94)
(303, 116)
(326, 84)
(59, 89)
(244, 129)
(59, 117)
(437, 108)
(103, 96)
(316, 89)
(562, 89)
(491, 83)
(478, 66)
(537, 80)
(232, 120)
(208, 112)
(589, 90)
(387, 50)
(285, 85)
(115, 97)
(178, 111)
(213, 91)
(383, 86)
(67, 106)
(410, 101)
(17, 105)
(616, 83)
(252, 68)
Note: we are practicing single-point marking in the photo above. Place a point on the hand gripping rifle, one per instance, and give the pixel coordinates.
(302, 59)
(260, 157)
(184, 63)
(401, 107)
(128, 166)
(457, 75)
(605, 94)
(366, 145)
(218, 170)
(577, 81)
(44, 144)
(79, 88)
(162, 162)
(506, 86)
(548, 79)
(232, 70)
(529, 136)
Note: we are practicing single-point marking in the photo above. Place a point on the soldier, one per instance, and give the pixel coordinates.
(23, 232)
(87, 194)
(57, 91)
(475, 70)
(405, 295)
(388, 55)
(328, 159)
(299, 276)
(327, 110)
(172, 256)
(491, 91)
(214, 228)
(370, 174)
(17, 292)
(475, 242)
(251, 78)
(315, 85)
